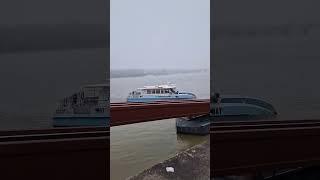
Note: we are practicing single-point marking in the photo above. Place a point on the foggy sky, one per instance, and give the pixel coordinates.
(164, 34)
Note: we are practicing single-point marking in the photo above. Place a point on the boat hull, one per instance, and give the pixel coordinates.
(196, 126)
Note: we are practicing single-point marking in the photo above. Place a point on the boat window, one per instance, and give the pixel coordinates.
(149, 91)
(157, 91)
(166, 90)
(153, 91)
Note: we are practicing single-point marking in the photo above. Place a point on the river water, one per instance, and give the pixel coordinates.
(136, 147)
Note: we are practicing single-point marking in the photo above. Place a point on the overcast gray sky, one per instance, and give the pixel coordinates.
(160, 34)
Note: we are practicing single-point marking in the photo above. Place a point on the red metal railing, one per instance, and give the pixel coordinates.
(128, 113)
(61, 152)
(240, 147)
(66, 153)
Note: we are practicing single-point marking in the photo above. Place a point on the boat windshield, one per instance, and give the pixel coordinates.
(171, 90)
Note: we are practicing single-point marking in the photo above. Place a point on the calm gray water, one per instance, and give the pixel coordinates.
(139, 146)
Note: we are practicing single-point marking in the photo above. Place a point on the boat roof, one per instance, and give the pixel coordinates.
(165, 86)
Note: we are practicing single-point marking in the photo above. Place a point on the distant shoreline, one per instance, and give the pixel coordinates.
(158, 72)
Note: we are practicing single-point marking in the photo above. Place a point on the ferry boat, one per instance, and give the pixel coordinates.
(158, 93)
(88, 107)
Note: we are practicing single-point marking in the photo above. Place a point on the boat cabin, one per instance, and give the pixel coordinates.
(162, 89)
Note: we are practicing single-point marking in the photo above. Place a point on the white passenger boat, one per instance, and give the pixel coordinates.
(158, 93)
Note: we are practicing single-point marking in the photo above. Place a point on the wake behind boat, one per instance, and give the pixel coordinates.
(158, 93)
